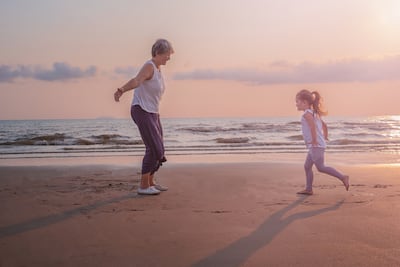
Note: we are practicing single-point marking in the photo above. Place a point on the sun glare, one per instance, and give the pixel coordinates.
(395, 132)
(390, 15)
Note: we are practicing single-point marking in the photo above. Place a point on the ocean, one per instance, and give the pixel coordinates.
(197, 136)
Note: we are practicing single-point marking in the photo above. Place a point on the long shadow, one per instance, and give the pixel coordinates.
(55, 218)
(238, 252)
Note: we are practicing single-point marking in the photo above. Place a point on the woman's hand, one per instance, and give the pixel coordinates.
(144, 74)
(118, 94)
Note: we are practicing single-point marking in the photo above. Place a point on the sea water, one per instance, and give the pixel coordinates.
(193, 136)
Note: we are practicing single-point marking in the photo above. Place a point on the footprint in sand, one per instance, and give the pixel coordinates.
(381, 186)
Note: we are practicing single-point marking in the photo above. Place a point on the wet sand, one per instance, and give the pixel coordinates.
(214, 214)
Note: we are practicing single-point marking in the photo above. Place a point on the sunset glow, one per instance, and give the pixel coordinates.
(64, 59)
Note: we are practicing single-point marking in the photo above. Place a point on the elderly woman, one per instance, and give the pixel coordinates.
(149, 87)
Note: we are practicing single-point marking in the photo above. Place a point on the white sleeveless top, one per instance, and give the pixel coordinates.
(305, 128)
(149, 93)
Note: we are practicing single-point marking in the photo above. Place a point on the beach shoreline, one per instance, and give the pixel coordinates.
(225, 212)
(354, 158)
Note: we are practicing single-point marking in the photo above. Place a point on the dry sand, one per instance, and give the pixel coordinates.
(214, 214)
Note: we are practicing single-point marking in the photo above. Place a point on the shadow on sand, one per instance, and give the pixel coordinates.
(55, 218)
(239, 251)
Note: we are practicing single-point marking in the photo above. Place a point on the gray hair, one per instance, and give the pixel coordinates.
(161, 46)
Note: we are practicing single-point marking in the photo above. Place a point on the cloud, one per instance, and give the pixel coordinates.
(8, 73)
(60, 71)
(126, 71)
(354, 70)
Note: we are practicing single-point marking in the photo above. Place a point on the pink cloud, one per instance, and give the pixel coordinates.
(353, 70)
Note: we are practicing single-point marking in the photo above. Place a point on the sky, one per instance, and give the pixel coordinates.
(63, 59)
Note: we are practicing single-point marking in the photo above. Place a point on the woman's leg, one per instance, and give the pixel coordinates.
(158, 139)
(145, 180)
(151, 136)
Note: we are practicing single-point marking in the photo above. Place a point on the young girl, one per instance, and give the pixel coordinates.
(315, 132)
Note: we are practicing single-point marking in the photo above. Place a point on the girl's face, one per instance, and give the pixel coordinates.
(301, 104)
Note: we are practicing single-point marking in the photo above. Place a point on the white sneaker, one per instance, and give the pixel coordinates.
(160, 187)
(148, 191)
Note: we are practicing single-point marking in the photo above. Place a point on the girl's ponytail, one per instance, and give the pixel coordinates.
(317, 104)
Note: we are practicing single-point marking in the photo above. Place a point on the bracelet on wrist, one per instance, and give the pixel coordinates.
(120, 90)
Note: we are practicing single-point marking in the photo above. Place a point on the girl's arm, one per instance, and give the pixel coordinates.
(144, 74)
(311, 123)
(325, 130)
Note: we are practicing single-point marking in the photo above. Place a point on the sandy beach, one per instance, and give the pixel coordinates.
(218, 213)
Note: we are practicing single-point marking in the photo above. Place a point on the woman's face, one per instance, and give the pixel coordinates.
(163, 58)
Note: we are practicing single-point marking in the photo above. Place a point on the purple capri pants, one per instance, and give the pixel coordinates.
(152, 135)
